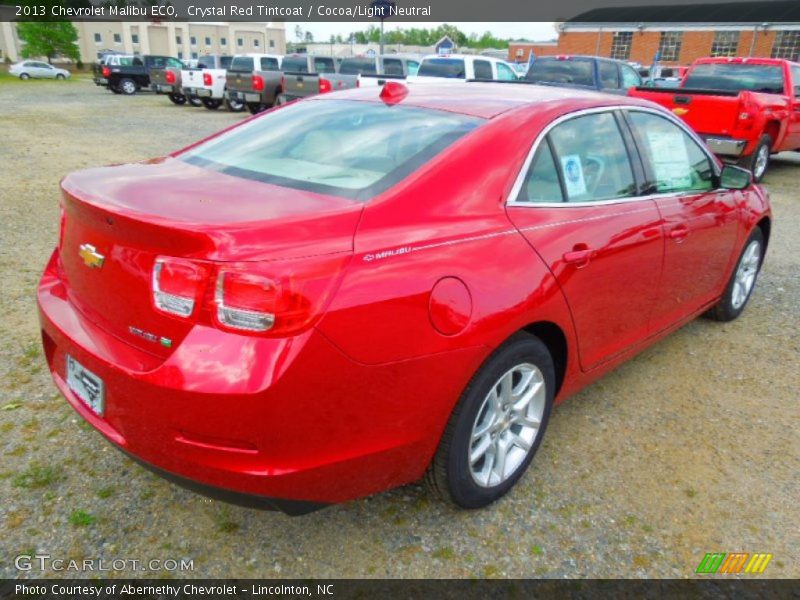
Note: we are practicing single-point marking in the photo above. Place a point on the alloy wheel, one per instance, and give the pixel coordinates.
(746, 273)
(762, 159)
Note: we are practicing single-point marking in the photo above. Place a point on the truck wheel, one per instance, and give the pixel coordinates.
(234, 105)
(255, 108)
(758, 161)
(211, 103)
(280, 100)
(194, 101)
(177, 99)
(128, 87)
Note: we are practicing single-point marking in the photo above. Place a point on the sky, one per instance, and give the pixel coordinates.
(531, 31)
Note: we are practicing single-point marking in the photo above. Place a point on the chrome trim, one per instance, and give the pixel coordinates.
(725, 146)
(520, 179)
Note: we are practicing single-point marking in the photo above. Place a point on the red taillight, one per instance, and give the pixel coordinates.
(393, 92)
(245, 300)
(106, 71)
(258, 83)
(170, 77)
(177, 285)
(207, 79)
(324, 85)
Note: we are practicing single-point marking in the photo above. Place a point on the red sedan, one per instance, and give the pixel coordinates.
(354, 291)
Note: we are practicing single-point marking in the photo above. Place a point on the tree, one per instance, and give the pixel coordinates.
(309, 37)
(298, 33)
(50, 38)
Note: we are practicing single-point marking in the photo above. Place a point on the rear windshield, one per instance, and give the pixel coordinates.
(206, 62)
(574, 72)
(296, 64)
(452, 68)
(344, 148)
(357, 66)
(242, 64)
(736, 77)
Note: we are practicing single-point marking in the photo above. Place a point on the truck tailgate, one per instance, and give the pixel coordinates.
(705, 111)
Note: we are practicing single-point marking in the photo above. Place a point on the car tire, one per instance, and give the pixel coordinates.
(127, 87)
(758, 162)
(211, 103)
(255, 108)
(280, 100)
(486, 417)
(114, 89)
(743, 280)
(194, 101)
(234, 105)
(60, 77)
(24, 76)
(178, 99)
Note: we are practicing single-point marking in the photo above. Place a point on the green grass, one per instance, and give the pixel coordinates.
(36, 476)
(80, 518)
(105, 492)
(8, 78)
(225, 523)
(445, 553)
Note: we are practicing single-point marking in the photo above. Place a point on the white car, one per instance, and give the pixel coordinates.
(461, 67)
(28, 69)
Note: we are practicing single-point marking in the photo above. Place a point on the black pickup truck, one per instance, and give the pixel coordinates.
(133, 73)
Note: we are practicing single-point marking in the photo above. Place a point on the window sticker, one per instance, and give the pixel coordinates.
(573, 175)
(673, 170)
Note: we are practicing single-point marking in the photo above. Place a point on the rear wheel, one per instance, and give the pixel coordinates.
(758, 161)
(194, 101)
(178, 99)
(742, 281)
(497, 425)
(234, 105)
(24, 76)
(127, 87)
(255, 108)
(211, 103)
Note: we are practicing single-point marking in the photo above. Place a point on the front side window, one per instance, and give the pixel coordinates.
(345, 148)
(450, 68)
(483, 69)
(630, 78)
(676, 161)
(504, 73)
(592, 159)
(609, 78)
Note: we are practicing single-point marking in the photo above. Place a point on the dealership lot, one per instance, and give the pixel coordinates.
(689, 448)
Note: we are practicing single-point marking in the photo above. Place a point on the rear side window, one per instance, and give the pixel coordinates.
(542, 184)
(295, 64)
(136, 62)
(269, 63)
(392, 66)
(357, 66)
(451, 68)
(609, 78)
(676, 162)
(324, 65)
(592, 159)
(242, 64)
(483, 69)
(158, 62)
(225, 62)
(576, 72)
(345, 148)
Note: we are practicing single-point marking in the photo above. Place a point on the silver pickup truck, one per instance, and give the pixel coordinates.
(255, 80)
(167, 80)
(301, 76)
(350, 74)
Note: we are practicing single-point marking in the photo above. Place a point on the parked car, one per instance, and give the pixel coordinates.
(299, 76)
(255, 80)
(584, 72)
(662, 76)
(462, 67)
(34, 69)
(744, 108)
(167, 80)
(369, 287)
(129, 74)
(207, 82)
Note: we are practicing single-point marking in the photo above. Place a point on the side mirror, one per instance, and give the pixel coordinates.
(735, 178)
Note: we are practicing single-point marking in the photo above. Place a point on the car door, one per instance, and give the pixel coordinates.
(608, 77)
(577, 202)
(700, 219)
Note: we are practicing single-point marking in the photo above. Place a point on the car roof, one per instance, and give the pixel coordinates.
(464, 56)
(583, 57)
(716, 60)
(488, 99)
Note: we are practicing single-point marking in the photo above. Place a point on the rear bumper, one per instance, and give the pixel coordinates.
(160, 88)
(197, 92)
(239, 96)
(725, 146)
(256, 420)
(102, 81)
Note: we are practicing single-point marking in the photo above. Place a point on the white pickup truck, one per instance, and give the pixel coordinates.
(462, 67)
(207, 82)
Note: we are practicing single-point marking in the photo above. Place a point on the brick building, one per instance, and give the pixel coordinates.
(679, 43)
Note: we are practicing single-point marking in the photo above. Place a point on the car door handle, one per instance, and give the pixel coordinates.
(679, 233)
(580, 255)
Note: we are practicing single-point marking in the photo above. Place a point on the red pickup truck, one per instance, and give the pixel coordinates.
(744, 108)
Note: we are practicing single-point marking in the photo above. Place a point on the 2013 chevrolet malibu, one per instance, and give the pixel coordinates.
(354, 291)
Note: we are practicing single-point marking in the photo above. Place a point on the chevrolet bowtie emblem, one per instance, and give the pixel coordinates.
(680, 111)
(91, 257)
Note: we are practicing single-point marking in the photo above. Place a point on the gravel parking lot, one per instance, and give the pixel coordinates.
(690, 448)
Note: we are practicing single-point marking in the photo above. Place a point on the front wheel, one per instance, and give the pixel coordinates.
(211, 103)
(497, 425)
(758, 161)
(178, 99)
(60, 77)
(742, 281)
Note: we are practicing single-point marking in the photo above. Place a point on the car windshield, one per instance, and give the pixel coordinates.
(736, 77)
(576, 72)
(452, 68)
(345, 148)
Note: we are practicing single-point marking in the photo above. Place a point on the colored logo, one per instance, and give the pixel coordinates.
(680, 111)
(91, 257)
(735, 562)
(573, 173)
